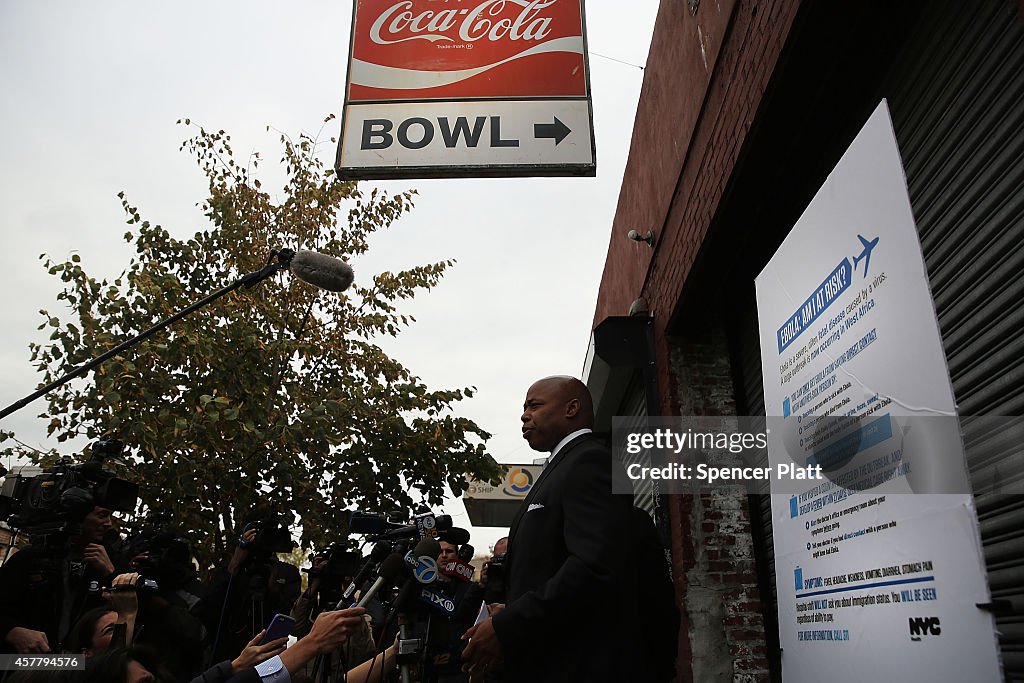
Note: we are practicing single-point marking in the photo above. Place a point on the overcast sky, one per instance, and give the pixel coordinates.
(91, 93)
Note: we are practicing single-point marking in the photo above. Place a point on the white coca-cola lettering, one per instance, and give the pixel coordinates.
(526, 26)
(399, 24)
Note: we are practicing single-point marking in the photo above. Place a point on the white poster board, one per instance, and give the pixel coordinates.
(879, 568)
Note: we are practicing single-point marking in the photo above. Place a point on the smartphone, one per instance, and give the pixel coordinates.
(280, 627)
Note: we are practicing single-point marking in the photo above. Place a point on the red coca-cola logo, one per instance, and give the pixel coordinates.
(441, 49)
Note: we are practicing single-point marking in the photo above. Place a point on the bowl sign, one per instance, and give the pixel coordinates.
(467, 88)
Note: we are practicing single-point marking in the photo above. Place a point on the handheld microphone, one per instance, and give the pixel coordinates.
(438, 601)
(390, 569)
(420, 559)
(379, 552)
(321, 270)
(427, 547)
(455, 536)
(423, 560)
(441, 523)
(457, 569)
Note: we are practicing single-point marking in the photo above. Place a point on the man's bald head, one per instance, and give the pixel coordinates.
(571, 389)
(554, 408)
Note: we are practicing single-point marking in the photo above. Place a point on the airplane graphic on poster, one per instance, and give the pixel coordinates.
(866, 254)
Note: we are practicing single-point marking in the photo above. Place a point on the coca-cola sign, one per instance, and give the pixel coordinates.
(444, 49)
(464, 88)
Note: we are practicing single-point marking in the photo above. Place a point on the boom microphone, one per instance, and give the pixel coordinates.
(321, 270)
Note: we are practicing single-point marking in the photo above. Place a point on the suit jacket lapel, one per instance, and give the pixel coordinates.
(536, 485)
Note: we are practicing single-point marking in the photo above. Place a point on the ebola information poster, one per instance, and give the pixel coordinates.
(878, 562)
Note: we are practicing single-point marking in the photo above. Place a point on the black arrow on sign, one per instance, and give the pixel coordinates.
(556, 130)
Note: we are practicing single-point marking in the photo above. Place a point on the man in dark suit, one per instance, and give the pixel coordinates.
(571, 611)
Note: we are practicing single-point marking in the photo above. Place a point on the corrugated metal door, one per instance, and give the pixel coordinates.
(957, 103)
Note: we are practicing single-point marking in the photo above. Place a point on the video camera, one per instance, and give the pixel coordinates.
(342, 563)
(65, 493)
(495, 589)
(159, 551)
(271, 536)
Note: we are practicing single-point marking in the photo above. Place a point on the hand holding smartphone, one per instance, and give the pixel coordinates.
(280, 627)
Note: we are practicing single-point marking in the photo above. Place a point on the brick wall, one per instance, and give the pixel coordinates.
(706, 77)
(714, 568)
(682, 57)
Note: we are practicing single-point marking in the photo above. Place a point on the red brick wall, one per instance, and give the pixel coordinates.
(714, 564)
(696, 107)
(683, 53)
(706, 77)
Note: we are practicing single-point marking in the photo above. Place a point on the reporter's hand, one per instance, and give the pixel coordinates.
(26, 641)
(332, 629)
(315, 572)
(495, 608)
(254, 653)
(124, 601)
(241, 554)
(95, 555)
(329, 632)
(483, 573)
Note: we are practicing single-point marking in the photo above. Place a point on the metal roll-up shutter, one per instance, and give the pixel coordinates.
(746, 353)
(634, 405)
(956, 98)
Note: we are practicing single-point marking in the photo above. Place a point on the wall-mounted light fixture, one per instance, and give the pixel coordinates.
(637, 237)
(639, 307)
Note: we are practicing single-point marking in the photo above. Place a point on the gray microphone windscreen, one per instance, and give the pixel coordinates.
(320, 270)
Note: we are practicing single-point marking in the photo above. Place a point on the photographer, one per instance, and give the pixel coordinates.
(331, 572)
(252, 586)
(167, 623)
(492, 574)
(45, 587)
(112, 626)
